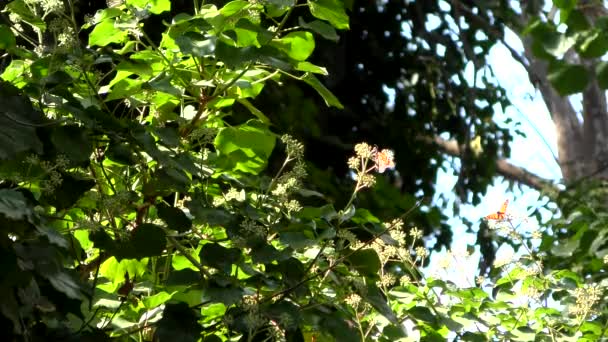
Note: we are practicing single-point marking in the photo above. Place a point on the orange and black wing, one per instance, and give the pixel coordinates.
(501, 214)
(384, 160)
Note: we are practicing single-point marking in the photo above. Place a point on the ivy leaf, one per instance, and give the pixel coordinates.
(267, 253)
(309, 67)
(102, 240)
(254, 110)
(330, 10)
(7, 38)
(222, 291)
(325, 30)
(220, 257)
(366, 261)
(246, 147)
(153, 6)
(121, 153)
(157, 299)
(179, 323)
(210, 216)
(13, 205)
(175, 218)
(423, 313)
(18, 120)
(594, 45)
(330, 99)
(106, 33)
(196, 44)
(281, 310)
(297, 45)
(135, 67)
(70, 190)
(233, 7)
(568, 79)
(73, 142)
(147, 240)
(339, 326)
(20, 8)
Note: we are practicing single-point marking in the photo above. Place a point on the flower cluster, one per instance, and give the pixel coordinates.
(586, 297)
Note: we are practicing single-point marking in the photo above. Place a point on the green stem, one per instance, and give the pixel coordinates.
(187, 255)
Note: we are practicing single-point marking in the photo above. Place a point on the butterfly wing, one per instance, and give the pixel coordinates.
(384, 160)
(503, 209)
(499, 215)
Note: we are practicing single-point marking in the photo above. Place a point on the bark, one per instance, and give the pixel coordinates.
(504, 167)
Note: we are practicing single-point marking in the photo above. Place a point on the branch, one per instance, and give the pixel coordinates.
(503, 167)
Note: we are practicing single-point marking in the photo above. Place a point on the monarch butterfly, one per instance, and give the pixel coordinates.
(500, 214)
(384, 159)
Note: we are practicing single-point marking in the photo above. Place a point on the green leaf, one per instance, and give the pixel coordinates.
(233, 7)
(157, 299)
(601, 71)
(423, 313)
(106, 33)
(250, 34)
(18, 120)
(73, 142)
(568, 79)
(309, 67)
(13, 205)
(297, 45)
(263, 118)
(180, 262)
(594, 45)
(179, 323)
(330, 10)
(222, 291)
(547, 41)
(577, 21)
(135, 67)
(234, 57)
(66, 284)
(565, 4)
(366, 261)
(19, 7)
(320, 27)
(211, 216)
(376, 298)
(246, 147)
(147, 240)
(175, 218)
(220, 257)
(7, 38)
(287, 314)
(267, 253)
(196, 44)
(162, 82)
(154, 6)
(297, 240)
(72, 187)
(340, 327)
(121, 153)
(330, 99)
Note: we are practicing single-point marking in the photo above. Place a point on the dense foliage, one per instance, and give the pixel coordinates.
(132, 206)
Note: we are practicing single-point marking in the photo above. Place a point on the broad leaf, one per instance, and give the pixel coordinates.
(179, 323)
(106, 33)
(7, 39)
(330, 99)
(330, 10)
(175, 218)
(246, 147)
(568, 79)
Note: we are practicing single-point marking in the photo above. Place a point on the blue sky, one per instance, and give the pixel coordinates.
(535, 152)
